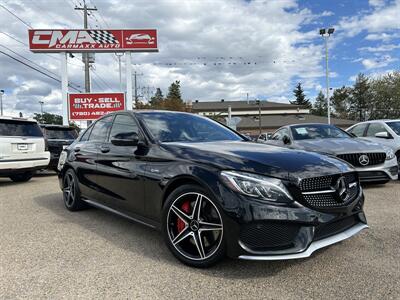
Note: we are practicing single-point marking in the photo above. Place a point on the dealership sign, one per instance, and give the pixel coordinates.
(91, 106)
(92, 40)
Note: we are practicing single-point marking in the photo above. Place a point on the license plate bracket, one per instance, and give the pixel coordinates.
(22, 147)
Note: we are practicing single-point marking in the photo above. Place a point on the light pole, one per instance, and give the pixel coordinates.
(1, 102)
(258, 102)
(41, 108)
(326, 33)
(118, 54)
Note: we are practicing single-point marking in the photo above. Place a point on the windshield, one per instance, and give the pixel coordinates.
(180, 127)
(395, 126)
(61, 134)
(318, 131)
(19, 128)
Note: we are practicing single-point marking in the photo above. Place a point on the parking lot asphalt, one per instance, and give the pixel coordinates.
(49, 252)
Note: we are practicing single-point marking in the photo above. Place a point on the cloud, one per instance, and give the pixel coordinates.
(267, 34)
(372, 63)
(375, 3)
(385, 37)
(381, 48)
(382, 18)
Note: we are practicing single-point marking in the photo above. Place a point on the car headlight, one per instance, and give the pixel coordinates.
(389, 154)
(62, 160)
(257, 186)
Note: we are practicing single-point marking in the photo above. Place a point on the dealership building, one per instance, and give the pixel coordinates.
(273, 114)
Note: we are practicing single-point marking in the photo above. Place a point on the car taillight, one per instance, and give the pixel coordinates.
(46, 145)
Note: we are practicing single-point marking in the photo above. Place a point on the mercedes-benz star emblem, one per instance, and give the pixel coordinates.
(364, 160)
(194, 225)
(341, 189)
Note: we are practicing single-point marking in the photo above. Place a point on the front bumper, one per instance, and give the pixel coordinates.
(389, 170)
(314, 246)
(261, 231)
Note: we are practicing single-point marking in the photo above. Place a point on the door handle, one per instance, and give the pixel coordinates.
(77, 149)
(104, 149)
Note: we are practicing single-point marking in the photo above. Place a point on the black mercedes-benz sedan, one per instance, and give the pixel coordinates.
(209, 190)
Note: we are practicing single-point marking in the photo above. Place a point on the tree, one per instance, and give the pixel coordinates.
(340, 100)
(174, 100)
(48, 118)
(300, 97)
(360, 98)
(157, 101)
(385, 97)
(320, 107)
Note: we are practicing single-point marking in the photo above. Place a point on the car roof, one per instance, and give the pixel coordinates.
(56, 126)
(308, 124)
(18, 119)
(380, 120)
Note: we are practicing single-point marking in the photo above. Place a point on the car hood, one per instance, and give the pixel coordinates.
(258, 158)
(338, 146)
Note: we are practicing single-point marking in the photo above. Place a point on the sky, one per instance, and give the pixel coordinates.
(218, 49)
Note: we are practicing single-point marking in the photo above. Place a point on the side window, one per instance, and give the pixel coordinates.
(85, 136)
(374, 128)
(124, 126)
(277, 136)
(285, 132)
(358, 130)
(100, 129)
(262, 137)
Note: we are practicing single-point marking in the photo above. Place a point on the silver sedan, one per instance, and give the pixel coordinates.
(374, 162)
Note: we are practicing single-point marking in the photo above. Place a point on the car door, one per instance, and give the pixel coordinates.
(120, 169)
(280, 138)
(375, 128)
(358, 130)
(86, 153)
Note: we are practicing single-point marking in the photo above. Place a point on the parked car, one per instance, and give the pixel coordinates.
(374, 162)
(264, 137)
(386, 132)
(57, 137)
(210, 191)
(22, 148)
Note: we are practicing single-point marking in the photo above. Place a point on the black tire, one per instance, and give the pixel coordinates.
(71, 193)
(23, 177)
(201, 247)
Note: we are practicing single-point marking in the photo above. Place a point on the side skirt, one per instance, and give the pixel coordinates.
(136, 219)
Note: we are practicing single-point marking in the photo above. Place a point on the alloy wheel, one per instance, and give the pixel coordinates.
(195, 227)
(69, 190)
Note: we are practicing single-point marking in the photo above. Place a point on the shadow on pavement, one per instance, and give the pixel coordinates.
(147, 242)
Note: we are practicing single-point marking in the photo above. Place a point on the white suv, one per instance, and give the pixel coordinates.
(22, 148)
(386, 132)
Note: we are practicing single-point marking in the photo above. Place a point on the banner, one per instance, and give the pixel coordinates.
(91, 106)
(92, 40)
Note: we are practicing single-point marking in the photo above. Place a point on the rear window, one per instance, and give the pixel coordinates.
(19, 128)
(61, 134)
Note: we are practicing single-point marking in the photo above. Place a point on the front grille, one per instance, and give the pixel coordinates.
(354, 158)
(325, 182)
(264, 236)
(326, 230)
(373, 176)
(320, 192)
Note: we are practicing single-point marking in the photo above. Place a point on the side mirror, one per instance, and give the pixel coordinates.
(286, 140)
(125, 139)
(383, 135)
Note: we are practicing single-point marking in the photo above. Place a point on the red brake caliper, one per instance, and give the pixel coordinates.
(180, 225)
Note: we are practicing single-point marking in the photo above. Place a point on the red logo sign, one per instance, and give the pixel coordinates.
(81, 40)
(92, 106)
